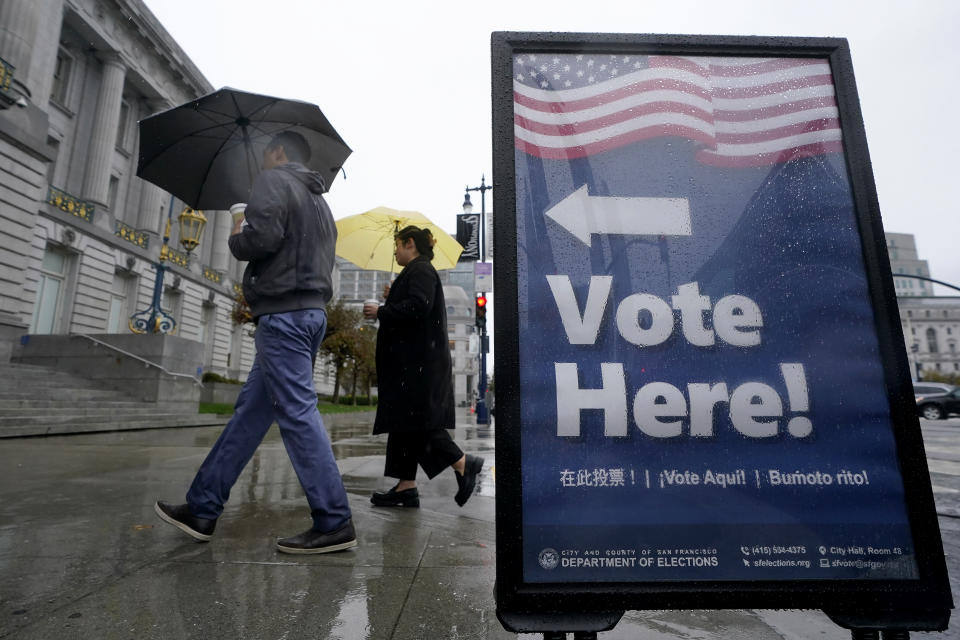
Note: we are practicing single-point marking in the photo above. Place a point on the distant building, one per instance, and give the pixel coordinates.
(931, 324)
(353, 285)
(902, 249)
(460, 330)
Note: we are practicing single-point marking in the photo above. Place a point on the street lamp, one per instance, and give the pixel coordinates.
(154, 319)
(483, 415)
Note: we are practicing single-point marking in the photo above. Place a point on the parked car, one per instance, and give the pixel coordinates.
(931, 388)
(939, 405)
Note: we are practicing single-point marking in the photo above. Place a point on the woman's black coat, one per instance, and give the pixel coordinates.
(414, 373)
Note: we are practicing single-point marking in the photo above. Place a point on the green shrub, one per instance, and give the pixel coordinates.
(929, 375)
(210, 376)
(216, 407)
(361, 400)
(323, 406)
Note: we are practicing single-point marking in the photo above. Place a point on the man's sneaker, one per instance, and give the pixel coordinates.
(394, 498)
(180, 516)
(468, 481)
(313, 541)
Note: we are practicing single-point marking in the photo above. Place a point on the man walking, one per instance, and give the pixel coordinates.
(288, 239)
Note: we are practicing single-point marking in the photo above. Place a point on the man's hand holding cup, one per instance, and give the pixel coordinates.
(237, 213)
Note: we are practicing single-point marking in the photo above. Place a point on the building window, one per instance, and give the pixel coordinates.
(932, 340)
(909, 314)
(122, 123)
(122, 292)
(61, 77)
(112, 192)
(50, 291)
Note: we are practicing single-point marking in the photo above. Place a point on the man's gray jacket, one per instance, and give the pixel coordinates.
(289, 241)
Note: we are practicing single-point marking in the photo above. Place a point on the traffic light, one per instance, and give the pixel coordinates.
(481, 311)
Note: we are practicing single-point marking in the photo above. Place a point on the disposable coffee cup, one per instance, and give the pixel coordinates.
(237, 211)
(375, 303)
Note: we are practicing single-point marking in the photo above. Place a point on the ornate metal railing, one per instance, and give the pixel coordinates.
(212, 275)
(130, 234)
(179, 258)
(70, 204)
(6, 74)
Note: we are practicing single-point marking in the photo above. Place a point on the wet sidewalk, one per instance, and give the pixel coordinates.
(82, 554)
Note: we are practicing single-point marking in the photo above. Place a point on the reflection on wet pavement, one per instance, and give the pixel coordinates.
(351, 438)
(82, 554)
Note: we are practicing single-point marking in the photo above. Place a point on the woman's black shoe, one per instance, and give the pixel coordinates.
(468, 481)
(394, 498)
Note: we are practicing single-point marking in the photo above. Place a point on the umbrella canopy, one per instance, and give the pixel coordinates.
(208, 151)
(366, 239)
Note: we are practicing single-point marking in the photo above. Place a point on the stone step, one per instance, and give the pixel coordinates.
(63, 393)
(48, 403)
(95, 409)
(36, 400)
(93, 416)
(23, 430)
(21, 373)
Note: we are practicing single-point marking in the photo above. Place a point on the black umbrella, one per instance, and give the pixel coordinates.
(208, 151)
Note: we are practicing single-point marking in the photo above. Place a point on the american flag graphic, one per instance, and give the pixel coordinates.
(744, 111)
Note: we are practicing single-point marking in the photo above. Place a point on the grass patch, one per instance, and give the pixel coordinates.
(328, 407)
(324, 407)
(216, 407)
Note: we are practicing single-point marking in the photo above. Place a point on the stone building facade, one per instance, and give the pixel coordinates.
(79, 232)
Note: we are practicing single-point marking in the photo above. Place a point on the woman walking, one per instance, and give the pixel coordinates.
(414, 378)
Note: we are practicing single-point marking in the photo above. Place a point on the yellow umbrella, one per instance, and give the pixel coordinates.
(366, 239)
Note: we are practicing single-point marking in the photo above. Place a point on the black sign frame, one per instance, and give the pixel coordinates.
(922, 604)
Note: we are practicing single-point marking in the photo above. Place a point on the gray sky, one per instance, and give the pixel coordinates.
(407, 85)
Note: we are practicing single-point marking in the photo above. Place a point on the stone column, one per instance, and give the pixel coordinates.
(45, 49)
(18, 31)
(220, 256)
(96, 182)
(152, 197)
(150, 209)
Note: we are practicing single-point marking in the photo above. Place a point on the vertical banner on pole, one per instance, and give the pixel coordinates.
(468, 236)
(706, 382)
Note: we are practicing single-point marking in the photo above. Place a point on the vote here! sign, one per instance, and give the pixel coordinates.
(702, 390)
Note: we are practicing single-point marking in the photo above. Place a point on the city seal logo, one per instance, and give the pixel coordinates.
(549, 558)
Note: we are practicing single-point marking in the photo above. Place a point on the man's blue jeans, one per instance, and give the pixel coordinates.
(279, 387)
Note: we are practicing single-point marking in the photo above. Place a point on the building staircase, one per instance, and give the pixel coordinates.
(40, 401)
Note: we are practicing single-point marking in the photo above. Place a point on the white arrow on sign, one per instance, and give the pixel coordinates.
(583, 215)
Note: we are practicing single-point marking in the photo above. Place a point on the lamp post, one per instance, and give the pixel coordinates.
(154, 319)
(483, 415)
